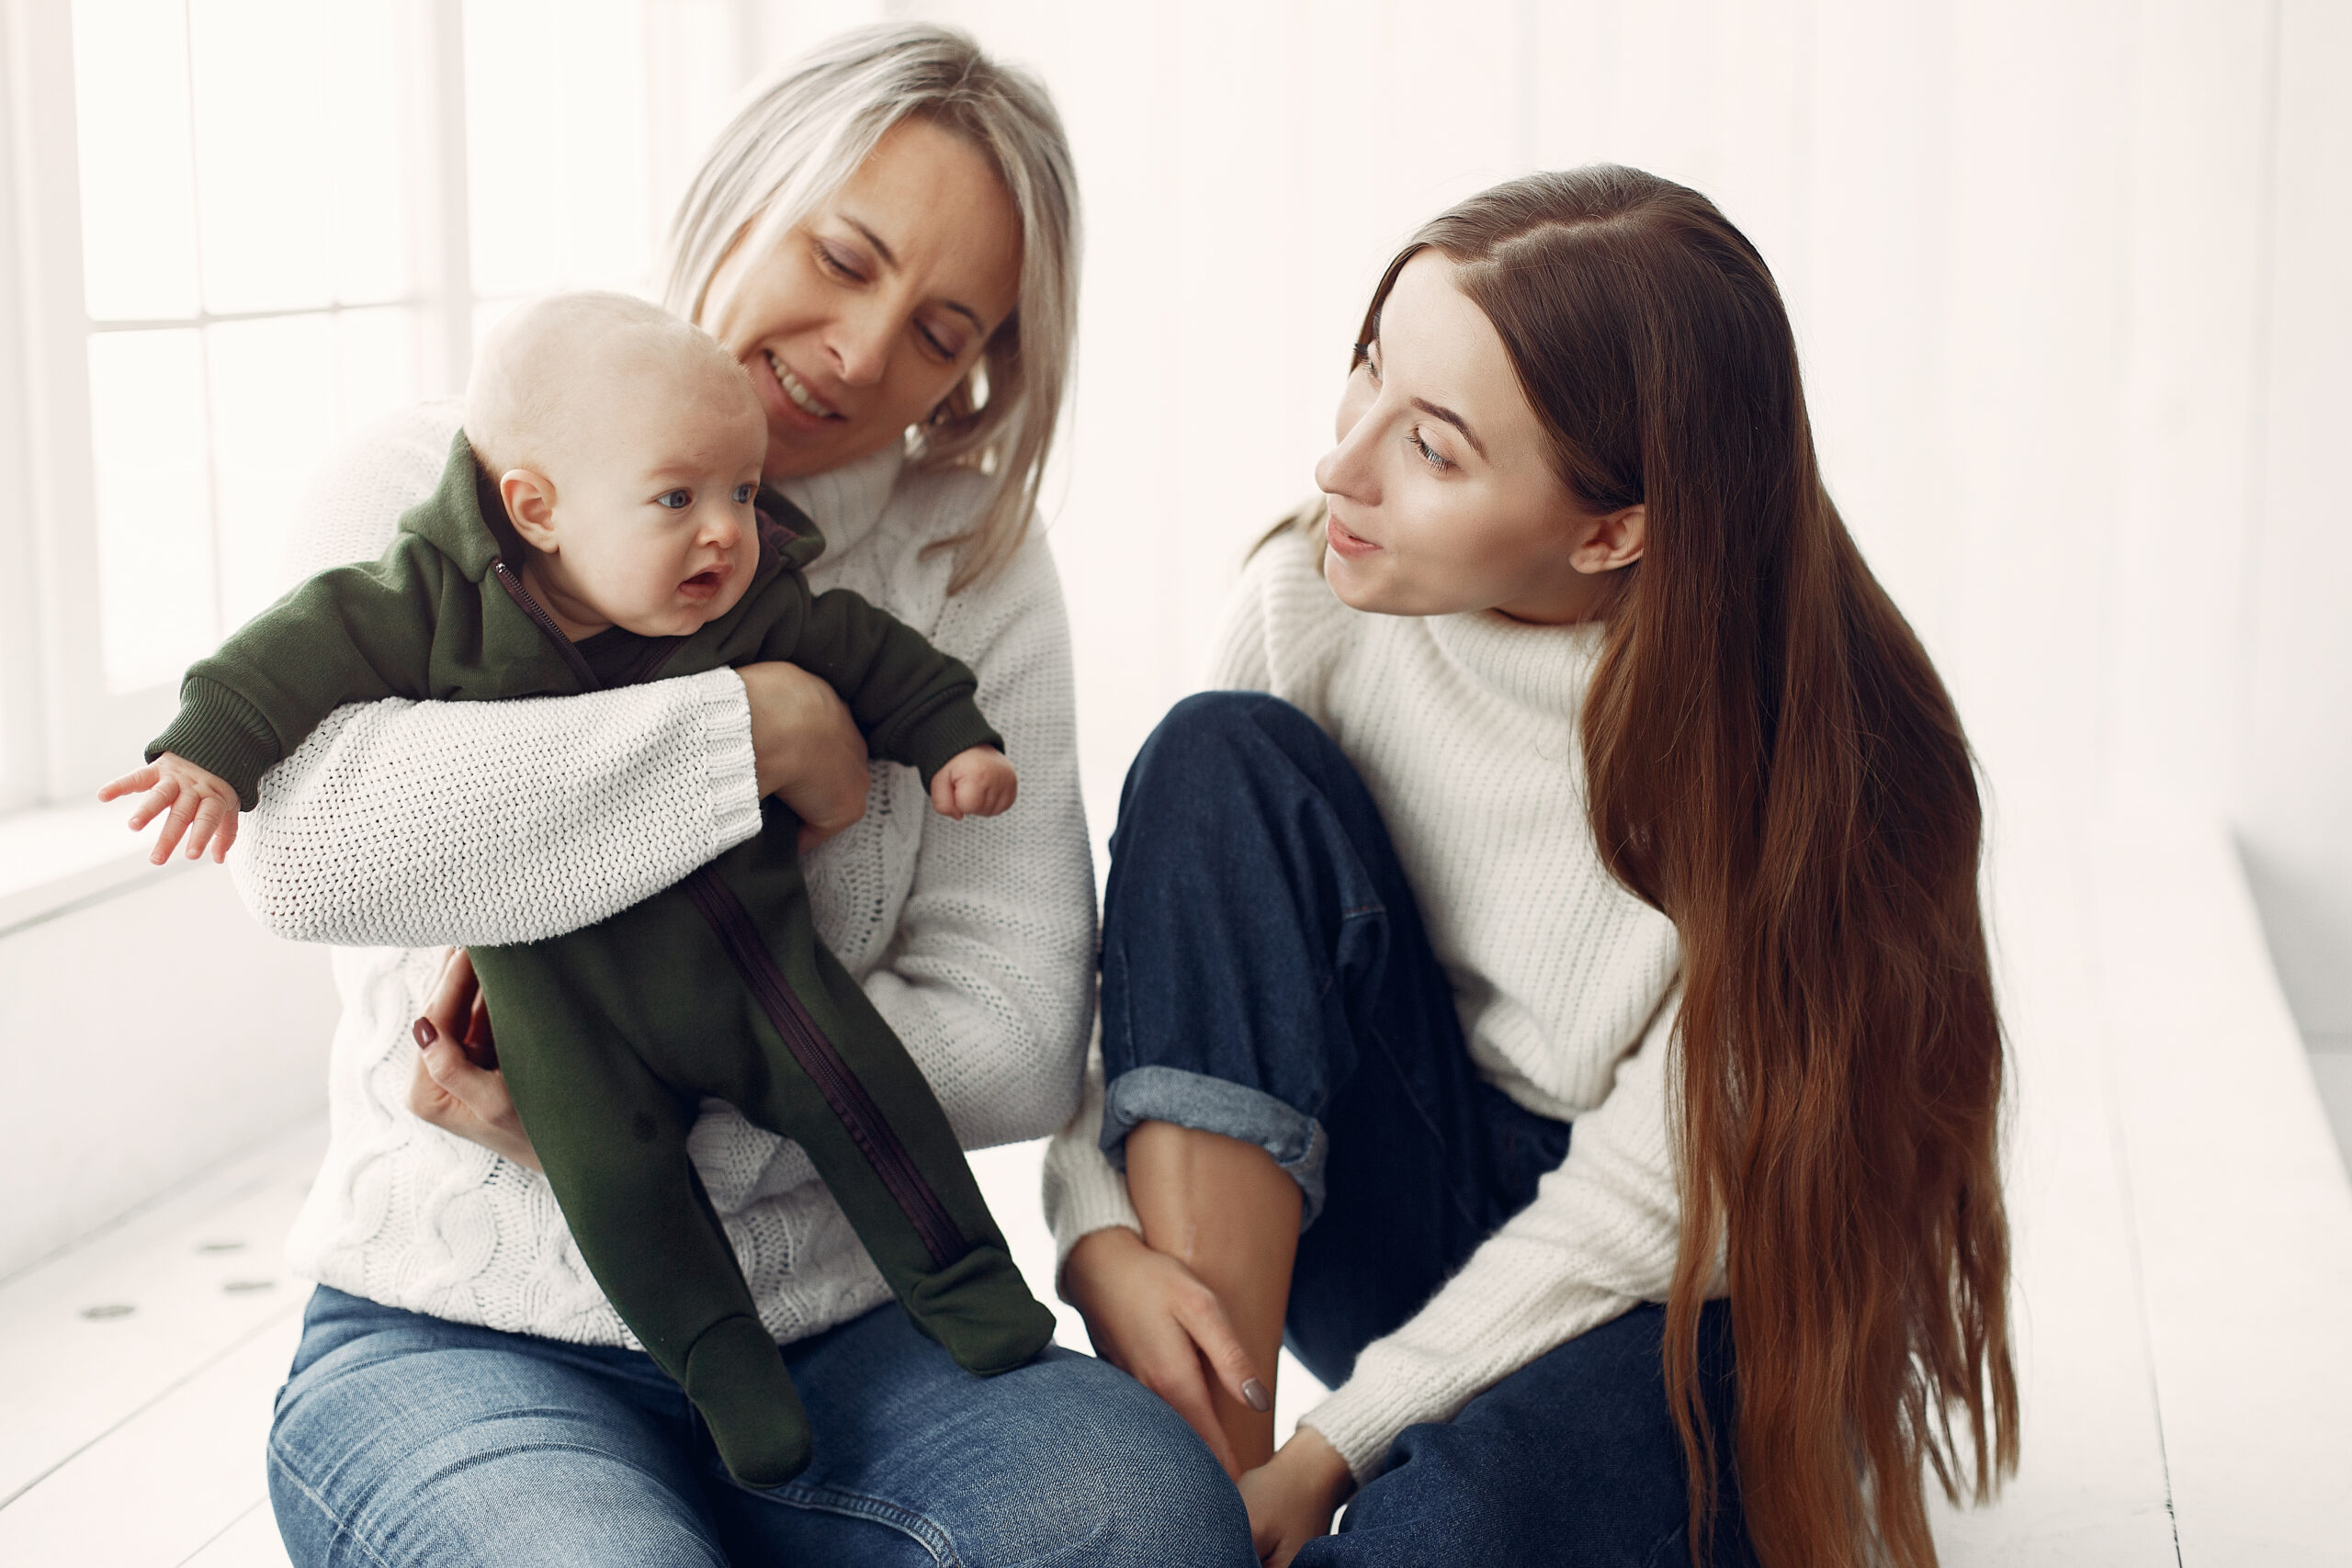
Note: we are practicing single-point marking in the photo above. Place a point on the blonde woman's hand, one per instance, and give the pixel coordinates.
(1153, 1318)
(449, 1090)
(806, 748)
(1292, 1497)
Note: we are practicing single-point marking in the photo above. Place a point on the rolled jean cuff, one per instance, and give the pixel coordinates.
(1218, 1105)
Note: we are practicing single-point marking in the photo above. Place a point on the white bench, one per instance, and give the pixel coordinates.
(2184, 1264)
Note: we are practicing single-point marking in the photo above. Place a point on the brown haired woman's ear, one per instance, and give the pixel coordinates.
(1610, 541)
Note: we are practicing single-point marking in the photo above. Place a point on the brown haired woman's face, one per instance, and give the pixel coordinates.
(869, 312)
(1442, 491)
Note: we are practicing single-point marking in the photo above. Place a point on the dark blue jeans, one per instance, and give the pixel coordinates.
(1266, 976)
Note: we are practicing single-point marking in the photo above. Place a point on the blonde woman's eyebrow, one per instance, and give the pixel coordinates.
(881, 246)
(890, 260)
(1449, 416)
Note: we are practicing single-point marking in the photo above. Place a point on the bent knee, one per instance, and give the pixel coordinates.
(1213, 741)
(1222, 717)
(1117, 1480)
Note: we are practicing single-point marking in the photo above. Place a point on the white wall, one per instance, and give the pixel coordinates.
(149, 1036)
(2066, 275)
(2293, 795)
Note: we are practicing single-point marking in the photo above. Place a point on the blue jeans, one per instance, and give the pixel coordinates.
(1266, 976)
(405, 1439)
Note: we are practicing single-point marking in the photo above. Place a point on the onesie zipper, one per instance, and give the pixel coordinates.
(843, 1094)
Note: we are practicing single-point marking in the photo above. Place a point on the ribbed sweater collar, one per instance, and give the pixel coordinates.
(846, 502)
(1545, 668)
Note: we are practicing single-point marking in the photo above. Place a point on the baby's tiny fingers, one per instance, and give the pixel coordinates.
(227, 836)
(182, 812)
(131, 782)
(152, 806)
(944, 792)
(207, 818)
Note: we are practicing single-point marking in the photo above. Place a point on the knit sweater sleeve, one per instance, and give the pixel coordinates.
(1601, 1237)
(402, 823)
(989, 979)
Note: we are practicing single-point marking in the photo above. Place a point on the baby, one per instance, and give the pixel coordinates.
(600, 522)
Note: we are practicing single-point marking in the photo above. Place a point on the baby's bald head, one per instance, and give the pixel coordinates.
(570, 374)
(625, 446)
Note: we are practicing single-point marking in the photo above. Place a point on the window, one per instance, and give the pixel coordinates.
(246, 228)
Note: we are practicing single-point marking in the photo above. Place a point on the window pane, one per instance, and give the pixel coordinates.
(138, 182)
(262, 143)
(368, 193)
(556, 144)
(488, 314)
(273, 419)
(155, 580)
(375, 365)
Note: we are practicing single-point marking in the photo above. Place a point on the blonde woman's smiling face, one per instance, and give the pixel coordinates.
(862, 316)
(1443, 495)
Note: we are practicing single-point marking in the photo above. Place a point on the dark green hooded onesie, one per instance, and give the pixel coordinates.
(610, 1036)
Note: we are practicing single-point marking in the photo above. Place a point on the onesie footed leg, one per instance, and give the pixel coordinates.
(980, 1310)
(735, 1376)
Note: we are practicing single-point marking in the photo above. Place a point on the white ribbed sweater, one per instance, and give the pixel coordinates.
(1464, 729)
(399, 827)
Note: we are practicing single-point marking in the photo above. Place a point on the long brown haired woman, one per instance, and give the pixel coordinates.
(1579, 913)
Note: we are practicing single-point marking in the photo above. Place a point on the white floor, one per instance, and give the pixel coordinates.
(2184, 1255)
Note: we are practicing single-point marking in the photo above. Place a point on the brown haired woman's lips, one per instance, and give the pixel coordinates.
(1352, 545)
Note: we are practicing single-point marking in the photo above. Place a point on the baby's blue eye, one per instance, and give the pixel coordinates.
(676, 499)
(743, 495)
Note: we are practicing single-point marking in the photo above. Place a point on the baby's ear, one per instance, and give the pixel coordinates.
(530, 506)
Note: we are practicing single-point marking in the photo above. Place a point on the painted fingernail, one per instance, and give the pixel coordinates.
(1255, 1394)
(423, 1032)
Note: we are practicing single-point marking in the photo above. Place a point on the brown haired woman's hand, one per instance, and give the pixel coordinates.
(1291, 1498)
(1153, 1318)
(806, 748)
(449, 1091)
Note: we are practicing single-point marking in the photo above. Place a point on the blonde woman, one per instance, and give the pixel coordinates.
(887, 239)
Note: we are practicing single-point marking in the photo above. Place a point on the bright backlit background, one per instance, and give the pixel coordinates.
(2068, 279)
(2067, 276)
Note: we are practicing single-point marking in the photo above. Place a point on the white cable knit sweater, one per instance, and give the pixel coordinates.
(1464, 728)
(399, 827)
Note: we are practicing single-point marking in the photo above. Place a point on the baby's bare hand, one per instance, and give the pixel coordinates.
(203, 808)
(977, 782)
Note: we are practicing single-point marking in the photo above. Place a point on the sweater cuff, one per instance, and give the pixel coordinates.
(952, 730)
(1361, 1420)
(224, 733)
(733, 768)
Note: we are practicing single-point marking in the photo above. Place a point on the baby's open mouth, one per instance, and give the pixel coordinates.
(703, 584)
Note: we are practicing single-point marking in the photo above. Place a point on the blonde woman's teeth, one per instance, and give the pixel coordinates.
(802, 397)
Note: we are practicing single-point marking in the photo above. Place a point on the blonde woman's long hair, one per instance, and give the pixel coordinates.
(802, 136)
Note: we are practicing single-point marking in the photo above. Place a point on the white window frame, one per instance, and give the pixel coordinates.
(64, 731)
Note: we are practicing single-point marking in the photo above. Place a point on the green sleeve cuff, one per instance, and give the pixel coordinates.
(224, 733)
(953, 730)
